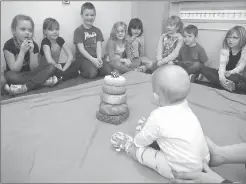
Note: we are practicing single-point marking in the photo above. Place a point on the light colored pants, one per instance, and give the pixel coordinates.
(154, 159)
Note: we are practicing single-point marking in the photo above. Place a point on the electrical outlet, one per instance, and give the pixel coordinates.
(66, 2)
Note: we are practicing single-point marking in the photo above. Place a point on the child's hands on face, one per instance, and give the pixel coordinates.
(25, 46)
(30, 43)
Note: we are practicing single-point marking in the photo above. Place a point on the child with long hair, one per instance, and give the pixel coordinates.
(23, 72)
(232, 62)
(170, 42)
(115, 53)
(50, 51)
(135, 45)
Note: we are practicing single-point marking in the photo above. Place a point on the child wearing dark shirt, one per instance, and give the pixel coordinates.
(191, 55)
(88, 40)
(50, 51)
(23, 72)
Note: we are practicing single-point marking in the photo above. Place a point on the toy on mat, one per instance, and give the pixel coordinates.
(113, 107)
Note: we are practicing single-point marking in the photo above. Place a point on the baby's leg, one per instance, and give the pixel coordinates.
(147, 156)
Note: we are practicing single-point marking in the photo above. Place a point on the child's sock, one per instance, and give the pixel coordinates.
(15, 89)
(124, 142)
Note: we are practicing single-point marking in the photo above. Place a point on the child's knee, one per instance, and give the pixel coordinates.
(10, 77)
(197, 65)
(91, 73)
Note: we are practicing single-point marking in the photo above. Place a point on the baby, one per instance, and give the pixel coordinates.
(172, 125)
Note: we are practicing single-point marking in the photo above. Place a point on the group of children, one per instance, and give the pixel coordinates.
(28, 67)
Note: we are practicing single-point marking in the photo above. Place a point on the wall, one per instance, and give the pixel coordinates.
(68, 16)
(211, 34)
(153, 15)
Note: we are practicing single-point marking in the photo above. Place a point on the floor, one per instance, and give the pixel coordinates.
(65, 84)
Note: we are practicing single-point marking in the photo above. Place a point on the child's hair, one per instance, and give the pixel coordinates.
(89, 6)
(114, 29)
(21, 17)
(191, 29)
(175, 20)
(241, 32)
(50, 24)
(135, 24)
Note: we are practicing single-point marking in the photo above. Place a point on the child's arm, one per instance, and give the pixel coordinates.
(69, 56)
(15, 64)
(85, 53)
(33, 55)
(224, 58)
(141, 46)
(160, 49)
(203, 56)
(175, 52)
(47, 54)
(149, 133)
(99, 51)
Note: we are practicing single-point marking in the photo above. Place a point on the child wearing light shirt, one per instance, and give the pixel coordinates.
(172, 125)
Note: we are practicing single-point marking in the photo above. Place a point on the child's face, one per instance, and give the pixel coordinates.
(171, 29)
(52, 34)
(189, 39)
(88, 16)
(135, 32)
(233, 40)
(23, 30)
(120, 32)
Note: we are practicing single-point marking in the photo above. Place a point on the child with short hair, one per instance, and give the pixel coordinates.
(115, 52)
(170, 43)
(135, 45)
(173, 125)
(232, 62)
(88, 40)
(50, 51)
(191, 55)
(23, 72)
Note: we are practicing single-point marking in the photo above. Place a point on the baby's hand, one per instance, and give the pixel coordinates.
(141, 123)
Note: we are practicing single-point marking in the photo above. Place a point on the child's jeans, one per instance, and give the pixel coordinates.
(88, 70)
(191, 67)
(212, 75)
(32, 79)
(71, 72)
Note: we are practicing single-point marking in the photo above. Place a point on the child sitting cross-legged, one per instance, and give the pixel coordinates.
(172, 125)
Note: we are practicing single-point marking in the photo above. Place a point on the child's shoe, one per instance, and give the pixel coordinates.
(192, 78)
(121, 141)
(15, 89)
(141, 69)
(51, 81)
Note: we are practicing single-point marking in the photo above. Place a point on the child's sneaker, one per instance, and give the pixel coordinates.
(192, 78)
(121, 141)
(15, 89)
(141, 69)
(51, 81)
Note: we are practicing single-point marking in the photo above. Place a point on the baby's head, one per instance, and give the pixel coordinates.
(171, 85)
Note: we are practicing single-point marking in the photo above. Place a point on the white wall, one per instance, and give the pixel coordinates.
(68, 15)
(153, 19)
